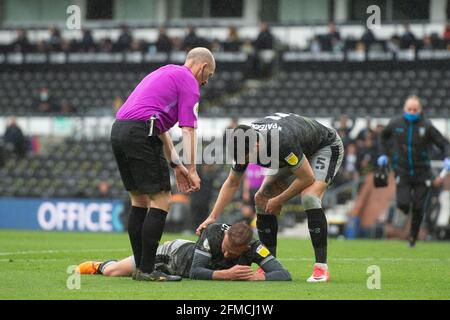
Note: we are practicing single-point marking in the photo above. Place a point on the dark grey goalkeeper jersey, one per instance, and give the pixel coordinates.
(298, 136)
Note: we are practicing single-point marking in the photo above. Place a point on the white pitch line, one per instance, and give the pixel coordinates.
(370, 259)
(59, 251)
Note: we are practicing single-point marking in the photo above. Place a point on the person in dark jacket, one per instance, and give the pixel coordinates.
(409, 138)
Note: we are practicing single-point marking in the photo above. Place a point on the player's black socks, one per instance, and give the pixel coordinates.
(416, 221)
(267, 225)
(318, 230)
(151, 234)
(135, 223)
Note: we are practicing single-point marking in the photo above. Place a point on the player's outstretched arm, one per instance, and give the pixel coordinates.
(226, 195)
(274, 271)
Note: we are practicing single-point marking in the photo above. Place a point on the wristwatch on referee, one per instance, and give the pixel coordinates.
(174, 164)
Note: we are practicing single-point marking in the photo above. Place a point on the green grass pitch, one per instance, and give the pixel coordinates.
(33, 266)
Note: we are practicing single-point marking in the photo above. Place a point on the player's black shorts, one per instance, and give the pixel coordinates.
(140, 158)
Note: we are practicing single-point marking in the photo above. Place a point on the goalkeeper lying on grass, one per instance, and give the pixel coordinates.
(222, 252)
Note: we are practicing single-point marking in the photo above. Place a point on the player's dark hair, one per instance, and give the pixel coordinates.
(240, 234)
(242, 133)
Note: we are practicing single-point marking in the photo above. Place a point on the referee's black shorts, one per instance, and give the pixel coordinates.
(140, 158)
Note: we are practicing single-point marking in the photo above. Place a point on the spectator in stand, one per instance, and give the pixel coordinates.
(55, 40)
(177, 44)
(331, 40)
(315, 46)
(21, 44)
(265, 39)
(163, 43)
(350, 171)
(408, 39)
(45, 103)
(125, 39)
(87, 43)
(232, 43)
(191, 40)
(344, 129)
(15, 137)
(137, 45)
(106, 45)
(446, 35)
(67, 108)
(368, 38)
(363, 133)
(367, 155)
(393, 45)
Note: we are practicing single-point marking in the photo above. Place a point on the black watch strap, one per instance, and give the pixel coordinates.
(173, 165)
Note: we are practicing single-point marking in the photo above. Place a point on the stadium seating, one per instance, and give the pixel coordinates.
(90, 92)
(377, 93)
(69, 169)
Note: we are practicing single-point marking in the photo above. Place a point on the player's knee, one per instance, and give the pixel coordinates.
(311, 201)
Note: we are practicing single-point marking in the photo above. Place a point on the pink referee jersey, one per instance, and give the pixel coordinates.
(171, 93)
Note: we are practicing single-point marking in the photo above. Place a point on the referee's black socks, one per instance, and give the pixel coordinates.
(318, 230)
(151, 235)
(135, 224)
(267, 225)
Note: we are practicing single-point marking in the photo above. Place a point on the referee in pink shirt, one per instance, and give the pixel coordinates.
(143, 148)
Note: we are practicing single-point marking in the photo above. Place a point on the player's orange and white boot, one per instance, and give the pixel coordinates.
(320, 273)
(88, 267)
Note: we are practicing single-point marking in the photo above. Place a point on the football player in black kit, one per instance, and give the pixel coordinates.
(222, 252)
(304, 158)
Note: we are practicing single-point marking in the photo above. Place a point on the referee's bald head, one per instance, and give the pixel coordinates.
(201, 55)
(202, 64)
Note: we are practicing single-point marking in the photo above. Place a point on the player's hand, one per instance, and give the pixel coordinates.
(274, 206)
(194, 181)
(182, 178)
(204, 224)
(258, 276)
(240, 272)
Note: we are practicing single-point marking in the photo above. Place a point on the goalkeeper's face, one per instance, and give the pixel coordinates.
(231, 251)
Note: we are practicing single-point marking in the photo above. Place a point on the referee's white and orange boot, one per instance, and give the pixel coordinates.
(320, 273)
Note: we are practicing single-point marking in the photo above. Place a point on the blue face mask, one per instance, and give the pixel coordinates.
(411, 117)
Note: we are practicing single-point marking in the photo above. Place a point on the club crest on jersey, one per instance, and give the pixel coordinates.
(292, 159)
(265, 126)
(422, 132)
(262, 251)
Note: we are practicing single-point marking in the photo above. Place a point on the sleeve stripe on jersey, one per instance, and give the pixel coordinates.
(206, 254)
(267, 260)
